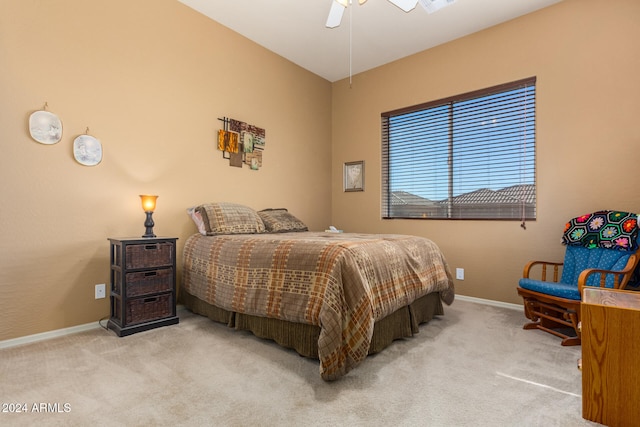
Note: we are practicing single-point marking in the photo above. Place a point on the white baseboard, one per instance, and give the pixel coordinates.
(59, 333)
(490, 302)
(48, 335)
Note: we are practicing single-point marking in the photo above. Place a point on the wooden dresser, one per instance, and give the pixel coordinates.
(143, 284)
(611, 357)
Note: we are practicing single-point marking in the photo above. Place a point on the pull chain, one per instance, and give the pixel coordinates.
(350, 41)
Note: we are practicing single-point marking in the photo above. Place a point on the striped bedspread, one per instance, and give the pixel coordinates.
(341, 282)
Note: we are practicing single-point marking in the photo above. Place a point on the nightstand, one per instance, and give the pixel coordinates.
(143, 284)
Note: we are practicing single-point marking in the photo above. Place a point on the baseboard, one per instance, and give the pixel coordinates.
(48, 335)
(59, 333)
(490, 302)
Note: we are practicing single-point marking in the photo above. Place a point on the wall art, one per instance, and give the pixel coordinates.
(354, 176)
(87, 150)
(241, 143)
(45, 127)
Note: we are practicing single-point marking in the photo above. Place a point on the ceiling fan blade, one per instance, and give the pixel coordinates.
(335, 14)
(434, 5)
(405, 5)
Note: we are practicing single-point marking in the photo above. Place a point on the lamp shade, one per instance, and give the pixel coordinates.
(148, 202)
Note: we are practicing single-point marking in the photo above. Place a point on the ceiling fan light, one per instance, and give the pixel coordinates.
(344, 3)
(335, 14)
(406, 5)
(362, 1)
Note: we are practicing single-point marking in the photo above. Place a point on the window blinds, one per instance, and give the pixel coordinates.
(470, 156)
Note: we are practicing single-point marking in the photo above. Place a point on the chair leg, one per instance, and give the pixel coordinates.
(551, 319)
(575, 340)
(571, 341)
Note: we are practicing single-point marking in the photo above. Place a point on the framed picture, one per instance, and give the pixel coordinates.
(354, 176)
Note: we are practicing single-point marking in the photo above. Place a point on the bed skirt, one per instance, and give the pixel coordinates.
(303, 338)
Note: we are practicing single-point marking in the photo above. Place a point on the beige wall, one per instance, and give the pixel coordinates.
(587, 62)
(149, 78)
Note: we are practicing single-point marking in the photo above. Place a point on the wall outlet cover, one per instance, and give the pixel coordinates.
(101, 291)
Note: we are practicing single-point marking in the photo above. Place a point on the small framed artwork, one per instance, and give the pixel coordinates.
(354, 176)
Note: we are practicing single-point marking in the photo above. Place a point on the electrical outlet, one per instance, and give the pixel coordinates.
(460, 273)
(100, 291)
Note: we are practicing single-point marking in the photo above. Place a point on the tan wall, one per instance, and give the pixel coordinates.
(586, 60)
(149, 78)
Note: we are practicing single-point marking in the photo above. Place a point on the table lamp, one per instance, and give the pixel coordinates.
(148, 205)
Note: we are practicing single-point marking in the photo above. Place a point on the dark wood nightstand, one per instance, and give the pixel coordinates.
(143, 284)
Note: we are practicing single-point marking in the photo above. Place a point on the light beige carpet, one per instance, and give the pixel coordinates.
(474, 366)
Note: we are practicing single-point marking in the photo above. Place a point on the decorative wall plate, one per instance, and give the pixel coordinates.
(87, 150)
(45, 127)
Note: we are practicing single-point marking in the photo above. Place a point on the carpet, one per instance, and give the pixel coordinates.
(474, 366)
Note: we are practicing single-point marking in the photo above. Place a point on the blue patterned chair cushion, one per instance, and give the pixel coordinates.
(556, 289)
(576, 260)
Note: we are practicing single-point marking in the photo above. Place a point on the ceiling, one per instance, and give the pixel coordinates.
(380, 31)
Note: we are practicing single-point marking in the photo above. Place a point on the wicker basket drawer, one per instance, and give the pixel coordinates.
(145, 282)
(149, 255)
(141, 310)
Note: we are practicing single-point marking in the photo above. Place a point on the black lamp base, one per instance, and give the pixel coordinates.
(148, 223)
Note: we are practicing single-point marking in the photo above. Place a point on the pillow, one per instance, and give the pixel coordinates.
(229, 218)
(196, 217)
(281, 221)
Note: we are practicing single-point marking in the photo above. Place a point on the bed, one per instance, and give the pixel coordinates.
(334, 296)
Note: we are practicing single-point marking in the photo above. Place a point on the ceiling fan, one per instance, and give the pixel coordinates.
(338, 7)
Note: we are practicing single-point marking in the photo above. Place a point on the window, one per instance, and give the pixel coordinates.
(470, 156)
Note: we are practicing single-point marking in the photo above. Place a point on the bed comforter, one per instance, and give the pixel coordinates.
(342, 282)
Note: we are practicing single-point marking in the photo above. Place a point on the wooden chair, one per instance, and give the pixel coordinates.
(553, 303)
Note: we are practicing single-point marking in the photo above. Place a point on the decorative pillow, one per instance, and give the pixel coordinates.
(229, 218)
(603, 229)
(281, 221)
(196, 217)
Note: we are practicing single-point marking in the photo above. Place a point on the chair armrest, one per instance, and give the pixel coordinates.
(620, 277)
(531, 264)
